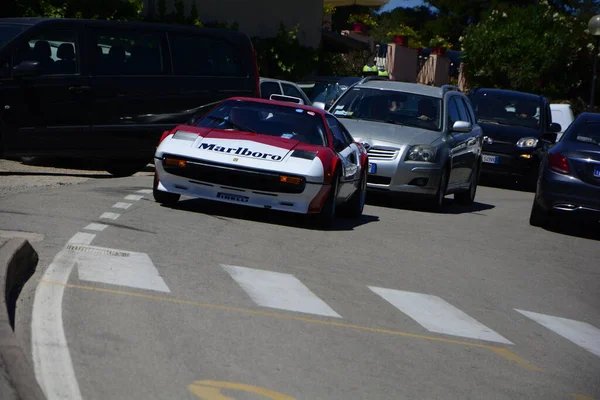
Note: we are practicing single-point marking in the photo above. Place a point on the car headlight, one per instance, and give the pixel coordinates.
(527, 142)
(421, 153)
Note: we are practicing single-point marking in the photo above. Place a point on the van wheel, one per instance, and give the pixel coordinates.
(164, 198)
(120, 169)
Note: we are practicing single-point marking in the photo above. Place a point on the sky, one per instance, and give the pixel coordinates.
(401, 3)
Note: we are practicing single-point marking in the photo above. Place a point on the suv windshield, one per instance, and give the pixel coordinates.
(390, 106)
(506, 109)
(586, 133)
(9, 31)
(275, 120)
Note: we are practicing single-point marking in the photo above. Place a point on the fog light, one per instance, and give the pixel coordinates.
(174, 162)
(525, 156)
(290, 179)
(419, 181)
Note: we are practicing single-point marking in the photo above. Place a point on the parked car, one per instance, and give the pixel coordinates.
(266, 154)
(569, 180)
(420, 139)
(517, 129)
(323, 91)
(269, 87)
(562, 114)
(107, 89)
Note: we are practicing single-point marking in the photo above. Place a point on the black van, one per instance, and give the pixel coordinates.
(107, 90)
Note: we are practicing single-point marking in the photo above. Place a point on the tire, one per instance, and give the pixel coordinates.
(538, 217)
(437, 202)
(123, 168)
(327, 215)
(353, 208)
(467, 198)
(164, 198)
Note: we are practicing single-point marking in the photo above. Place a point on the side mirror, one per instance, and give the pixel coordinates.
(27, 68)
(550, 137)
(289, 99)
(554, 128)
(319, 104)
(462, 126)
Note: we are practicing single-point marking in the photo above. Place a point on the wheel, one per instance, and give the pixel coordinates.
(467, 198)
(327, 215)
(164, 198)
(438, 200)
(123, 168)
(538, 217)
(353, 208)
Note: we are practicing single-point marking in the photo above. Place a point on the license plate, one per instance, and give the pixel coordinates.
(597, 172)
(233, 197)
(372, 168)
(490, 159)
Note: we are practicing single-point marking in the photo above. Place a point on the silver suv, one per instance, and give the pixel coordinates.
(421, 139)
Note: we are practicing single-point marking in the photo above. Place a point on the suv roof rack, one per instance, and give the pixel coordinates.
(447, 88)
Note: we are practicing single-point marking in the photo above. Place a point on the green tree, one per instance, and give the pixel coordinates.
(416, 18)
(533, 49)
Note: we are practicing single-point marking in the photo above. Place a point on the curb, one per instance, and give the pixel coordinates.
(18, 261)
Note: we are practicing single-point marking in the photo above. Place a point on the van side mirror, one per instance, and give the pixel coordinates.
(554, 128)
(27, 69)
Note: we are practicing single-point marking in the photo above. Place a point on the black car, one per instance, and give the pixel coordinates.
(569, 180)
(517, 129)
(107, 89)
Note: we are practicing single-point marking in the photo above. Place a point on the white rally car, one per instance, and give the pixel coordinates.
(268, 154)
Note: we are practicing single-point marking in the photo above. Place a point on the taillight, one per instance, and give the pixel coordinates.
(558, 163)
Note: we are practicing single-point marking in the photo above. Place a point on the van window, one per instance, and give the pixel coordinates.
(125, 52)
(205, 56)
(56, 51)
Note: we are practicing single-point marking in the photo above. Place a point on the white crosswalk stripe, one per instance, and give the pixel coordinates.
(580, 333)
(278, 290)
(436, 315)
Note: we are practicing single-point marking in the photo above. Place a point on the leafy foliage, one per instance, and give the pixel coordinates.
(533, 49)
(365, 18)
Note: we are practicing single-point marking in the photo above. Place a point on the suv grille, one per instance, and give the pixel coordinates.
(382, 153)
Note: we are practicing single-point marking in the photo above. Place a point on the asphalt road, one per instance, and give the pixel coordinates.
(137, 301)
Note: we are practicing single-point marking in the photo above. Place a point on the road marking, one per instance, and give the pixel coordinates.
(96, 227)
(133, 197)
(436, 315)
(124, 206)
(211, 390)
(580, 333)
(109, 215)
(280, 291)
(505, 353)
(118, 267)
(32, 237)
(145, 191)
(51, 358)
(82, 238)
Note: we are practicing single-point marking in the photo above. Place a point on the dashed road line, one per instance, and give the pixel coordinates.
(96, 227)
(109, 215)
(437, 315)
(82, 238)
(280, 291)
(121, 205)
(133, 197)
(145, 191)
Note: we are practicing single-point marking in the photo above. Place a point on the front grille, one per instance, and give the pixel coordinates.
(382, 153)
(225, 175)
(379, 180)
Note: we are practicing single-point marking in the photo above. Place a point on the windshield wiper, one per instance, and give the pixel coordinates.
(493, 121)
(237, 126)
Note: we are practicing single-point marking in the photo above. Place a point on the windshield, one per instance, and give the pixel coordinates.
(390, 106)
(506, 109)
(586, 133)
(9, 31)
(269, 119)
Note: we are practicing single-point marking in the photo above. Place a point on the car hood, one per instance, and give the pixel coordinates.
(507, 133)
(388, 134)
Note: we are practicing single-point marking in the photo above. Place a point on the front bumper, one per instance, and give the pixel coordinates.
(565, 193)
(404, 177)
(291, 202)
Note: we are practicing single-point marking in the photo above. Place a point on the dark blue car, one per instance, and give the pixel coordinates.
(569, 180)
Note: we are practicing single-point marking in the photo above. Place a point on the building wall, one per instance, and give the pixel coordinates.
(261, 17)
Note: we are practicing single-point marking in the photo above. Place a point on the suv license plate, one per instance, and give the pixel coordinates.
(490, 159)
(233, 197)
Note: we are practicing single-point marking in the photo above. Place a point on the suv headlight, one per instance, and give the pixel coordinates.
(527, 142)
(421, 153)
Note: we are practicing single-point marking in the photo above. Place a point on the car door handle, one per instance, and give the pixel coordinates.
(79, 89)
